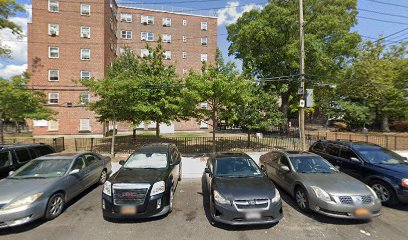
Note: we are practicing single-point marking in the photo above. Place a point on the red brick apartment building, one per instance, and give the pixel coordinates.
(73, 39)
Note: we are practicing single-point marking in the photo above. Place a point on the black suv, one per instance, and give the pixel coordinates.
(384, 171)
(145, 184)
(14, 156)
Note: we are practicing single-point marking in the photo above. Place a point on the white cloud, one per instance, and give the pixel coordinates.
(233, 11)
(12, 70)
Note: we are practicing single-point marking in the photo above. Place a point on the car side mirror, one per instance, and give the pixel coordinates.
(75, 171)
(207, 170)
(10, 173)
(355, 160)
(122, 162)
(285, 168)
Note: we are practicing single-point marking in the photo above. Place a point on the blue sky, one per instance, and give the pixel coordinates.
(228, 12)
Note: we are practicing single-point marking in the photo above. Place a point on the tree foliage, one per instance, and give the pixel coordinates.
(8, 8)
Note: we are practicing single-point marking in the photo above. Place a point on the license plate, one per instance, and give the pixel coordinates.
(361, 212)
(253, 215)
(128, 210)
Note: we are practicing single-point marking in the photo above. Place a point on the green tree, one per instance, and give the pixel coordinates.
(19, 103)
(8, 8)
(267, 41)
(355, 114)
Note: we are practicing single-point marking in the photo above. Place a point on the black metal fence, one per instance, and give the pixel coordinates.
(189, 145)
(58, 143)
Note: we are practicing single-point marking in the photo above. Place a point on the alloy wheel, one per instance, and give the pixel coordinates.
(103, 177)
(56, 206)
(382, 192)
(301, 199)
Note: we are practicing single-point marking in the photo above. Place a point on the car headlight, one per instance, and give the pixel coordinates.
(219, 198)
(404, 183)
(372, 192)
(277, 197)
(158, 188)
(24, 201)
(107, 188)
(321, 194)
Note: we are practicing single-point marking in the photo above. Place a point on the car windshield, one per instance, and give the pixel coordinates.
(311, 164)
(43, 169)
(378, 155)
(147, 160)
(236, 167)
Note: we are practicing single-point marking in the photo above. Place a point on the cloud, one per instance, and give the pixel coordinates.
(233, 11)
(12, 70)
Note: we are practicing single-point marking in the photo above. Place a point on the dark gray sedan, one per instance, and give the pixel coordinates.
(41, 188)
(317, 185)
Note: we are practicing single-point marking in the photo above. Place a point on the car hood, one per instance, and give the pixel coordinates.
(245, 188)
(127, 175)
(12, 189)
(399, 168)
(335, 183)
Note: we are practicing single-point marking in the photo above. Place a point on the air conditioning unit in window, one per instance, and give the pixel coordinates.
(53, 33)
(86, 35)
(85, 12)
(204, 43)
(166, 40)
(166, 24)
(143, 38)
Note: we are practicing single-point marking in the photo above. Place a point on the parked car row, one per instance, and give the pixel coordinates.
(336, 178)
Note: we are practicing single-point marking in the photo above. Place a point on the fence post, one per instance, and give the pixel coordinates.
(54, 143)
(395, 142)
(92, 143)
(366, 138)
(386, 141)
(63, 143)
(76, 148)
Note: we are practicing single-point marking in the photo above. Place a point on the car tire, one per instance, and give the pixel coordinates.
(302, 201)
(171, 200)
(55, 206)
(103, 177)
(384, 192)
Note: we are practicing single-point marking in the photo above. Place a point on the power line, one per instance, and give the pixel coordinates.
(389, 4)
(382, 13)
(380, 20)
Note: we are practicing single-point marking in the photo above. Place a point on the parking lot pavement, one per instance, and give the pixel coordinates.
(82, 220)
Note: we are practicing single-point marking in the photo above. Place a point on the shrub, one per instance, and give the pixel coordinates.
(400, 126)
(341, 126)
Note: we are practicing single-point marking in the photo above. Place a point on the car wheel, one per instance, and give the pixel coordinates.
(171, 199)
(384, 192)
(301, 199)
(55, 206)
(103, 177)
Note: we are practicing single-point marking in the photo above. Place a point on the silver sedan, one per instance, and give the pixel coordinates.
(41, 188)
(316, 185)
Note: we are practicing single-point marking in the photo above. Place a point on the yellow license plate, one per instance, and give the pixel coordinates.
(128, 210)
(361, 212)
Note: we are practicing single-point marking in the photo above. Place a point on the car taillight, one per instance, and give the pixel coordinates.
(404, 182)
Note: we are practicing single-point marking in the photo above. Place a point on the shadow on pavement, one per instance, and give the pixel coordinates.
(206, 205)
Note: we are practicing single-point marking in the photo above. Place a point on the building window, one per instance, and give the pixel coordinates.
(85, 9)
(53, 5)
(167, 55)
(167, 38)
(85, 75)
(184, 71)
(147, 36)
(126, 34)
(84, 124)
(204, 57)
(204, 26)
(204, 41)
(53, 125)
(53, 75)
(53, 29)
(53, 98)
(126, 17)
(184, 39)
(85, 32)
(184, 55)
(166, 22)
(203, 125)
(85, 54)
(53, 52)
(184, 22)
(204, 105)
(147, 20)
(144, 52)
(84, 98)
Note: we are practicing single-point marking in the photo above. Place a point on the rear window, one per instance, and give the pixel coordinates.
(333, 149)
(319, 146)
(22, 155)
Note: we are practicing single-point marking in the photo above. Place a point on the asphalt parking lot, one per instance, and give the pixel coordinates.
(190, 220)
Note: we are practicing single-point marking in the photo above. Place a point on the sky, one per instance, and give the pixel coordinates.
(228, 12)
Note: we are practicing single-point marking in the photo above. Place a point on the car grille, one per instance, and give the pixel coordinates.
(130, 194)
(256, 204)
(366, 199)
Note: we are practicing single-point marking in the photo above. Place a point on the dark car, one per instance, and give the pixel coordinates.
(42, 187)
(240, 193)
(145, 184)
(383, 170)
(13, 157)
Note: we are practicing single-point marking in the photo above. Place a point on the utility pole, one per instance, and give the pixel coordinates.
(302, 77)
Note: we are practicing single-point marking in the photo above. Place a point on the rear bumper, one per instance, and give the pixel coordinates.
(22, 215)
(228, 214)
(338, 210)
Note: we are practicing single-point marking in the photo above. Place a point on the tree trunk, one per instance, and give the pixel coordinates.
(214, 127)
(113, 138)
(385, 125)
(249, 138)
(18, 130)
(1, 128)
(157, 129)
(284, 110)
(134, 130)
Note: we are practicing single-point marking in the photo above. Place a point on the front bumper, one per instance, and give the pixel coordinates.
(346, 211)
(22, 215)
(228, 214)
(153, 207)
(402, 195)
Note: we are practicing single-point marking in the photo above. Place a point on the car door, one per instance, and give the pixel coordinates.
(76, 182)
(94, 165)
(6, 163)
(349, 164)
(282, 175)
(270, 164)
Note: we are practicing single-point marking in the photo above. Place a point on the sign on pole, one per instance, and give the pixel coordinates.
(309, 98)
